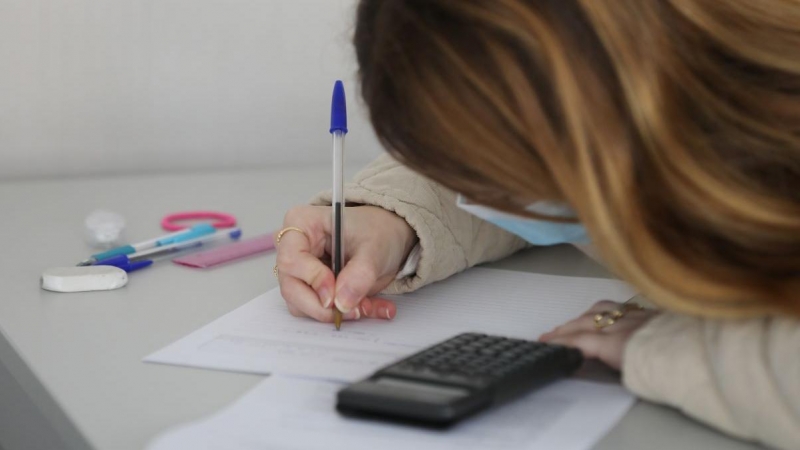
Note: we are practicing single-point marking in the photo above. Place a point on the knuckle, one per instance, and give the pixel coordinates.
(286, 260)
(364, 273)
(294, 214)
(591, 313)
(605, 304)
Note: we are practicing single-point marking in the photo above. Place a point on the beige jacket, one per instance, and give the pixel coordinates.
(742, 377)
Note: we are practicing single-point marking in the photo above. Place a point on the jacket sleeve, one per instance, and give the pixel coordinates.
(451, 240)
(740, 376)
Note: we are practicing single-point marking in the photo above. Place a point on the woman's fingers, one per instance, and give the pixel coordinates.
(295, 261)
(355, 281)
(378, 308)
(307, 284)
(606, 343)
(303, 301)
(592, 345)
(299, 252)
(314, 222)
(582, 323)
(604, 305)
(294, 311)
(608, 348)
(304, 275)
(296, 264)
(585, 322)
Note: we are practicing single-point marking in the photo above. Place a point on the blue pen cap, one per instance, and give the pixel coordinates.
(136, 265)
(338, 108)
(124, 263)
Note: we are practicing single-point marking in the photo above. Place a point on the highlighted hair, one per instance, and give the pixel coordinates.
(671, 126)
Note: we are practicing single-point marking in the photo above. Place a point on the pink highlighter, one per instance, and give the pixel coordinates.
(226, 253)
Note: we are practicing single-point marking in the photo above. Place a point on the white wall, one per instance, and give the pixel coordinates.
(118, 86)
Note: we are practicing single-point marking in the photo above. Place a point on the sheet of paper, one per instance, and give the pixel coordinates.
(262, 337)
(299, 414)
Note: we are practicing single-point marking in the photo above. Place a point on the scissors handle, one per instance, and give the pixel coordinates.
(221, 220)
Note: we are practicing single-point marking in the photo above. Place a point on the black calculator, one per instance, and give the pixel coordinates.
(457, 378)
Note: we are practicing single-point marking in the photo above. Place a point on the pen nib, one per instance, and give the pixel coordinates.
(337, 318)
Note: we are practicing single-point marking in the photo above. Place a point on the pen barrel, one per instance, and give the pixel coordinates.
(338, 203)
(199, 230)
(124, 250)
(232, 233)
(172, 238)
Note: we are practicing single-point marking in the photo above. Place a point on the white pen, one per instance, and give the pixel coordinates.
(230, 233)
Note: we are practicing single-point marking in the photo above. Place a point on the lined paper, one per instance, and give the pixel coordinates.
(262, 337)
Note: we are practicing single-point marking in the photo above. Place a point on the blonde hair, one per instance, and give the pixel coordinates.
(671, 126)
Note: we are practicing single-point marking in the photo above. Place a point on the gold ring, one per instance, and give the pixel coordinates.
(275, 270)
(286, 230)
(607, 318)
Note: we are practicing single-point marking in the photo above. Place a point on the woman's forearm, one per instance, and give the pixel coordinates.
(742, 377)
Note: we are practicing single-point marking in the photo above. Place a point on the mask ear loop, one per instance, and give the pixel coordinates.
(546, 210)
(222, 220)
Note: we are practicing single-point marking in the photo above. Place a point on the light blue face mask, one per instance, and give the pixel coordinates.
(537, 232)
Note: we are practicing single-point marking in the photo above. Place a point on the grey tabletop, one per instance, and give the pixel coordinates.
(71, 374)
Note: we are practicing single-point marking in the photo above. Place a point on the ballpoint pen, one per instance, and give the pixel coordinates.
(338, 130)
(140, 260)
(196, 231)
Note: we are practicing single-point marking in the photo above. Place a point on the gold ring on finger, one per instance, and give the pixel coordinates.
(286, 230)
(607, 318)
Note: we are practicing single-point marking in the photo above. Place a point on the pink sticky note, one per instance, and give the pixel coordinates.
(230, 252)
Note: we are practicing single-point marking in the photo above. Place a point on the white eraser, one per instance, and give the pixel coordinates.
(82, 279)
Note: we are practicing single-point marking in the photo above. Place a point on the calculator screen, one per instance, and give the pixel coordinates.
(428, 390)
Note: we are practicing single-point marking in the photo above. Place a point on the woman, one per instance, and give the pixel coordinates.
(668, 130)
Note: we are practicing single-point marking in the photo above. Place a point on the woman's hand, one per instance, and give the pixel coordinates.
(376, 242)
(606, 344)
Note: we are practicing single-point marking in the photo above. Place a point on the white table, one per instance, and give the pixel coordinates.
(71, 374)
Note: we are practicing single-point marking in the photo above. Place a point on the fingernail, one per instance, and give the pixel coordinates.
(340, 306)
(355, 314)
(345, 297)
(366, 308)
(327, 298)
(384, 312)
